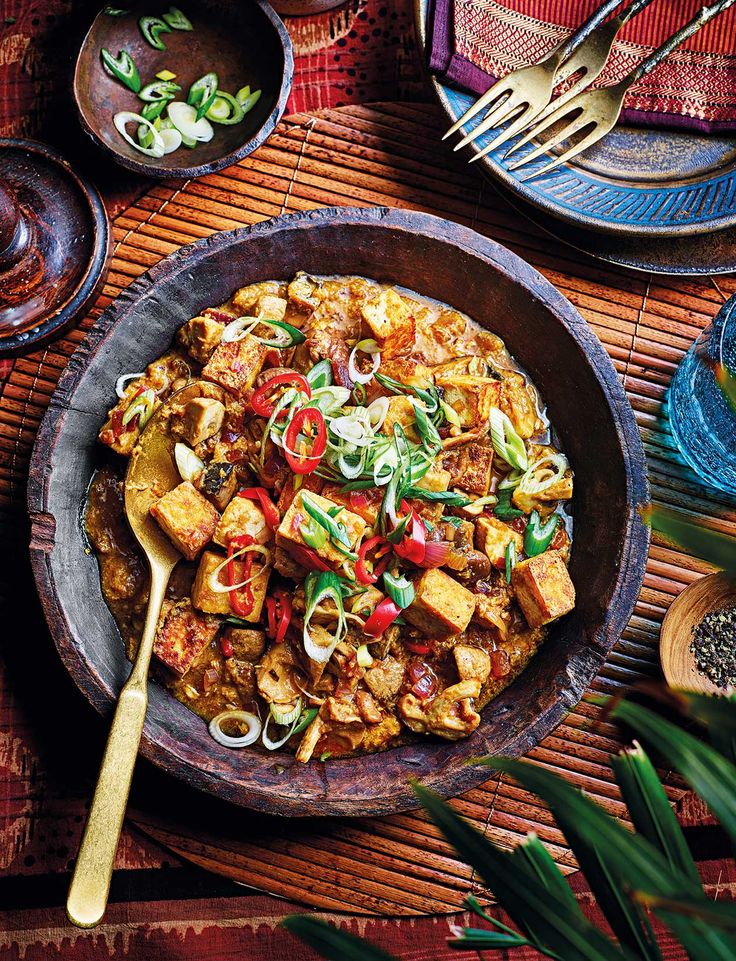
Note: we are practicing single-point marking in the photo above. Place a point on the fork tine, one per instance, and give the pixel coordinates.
(552, 112)
(541, 124)
(519, 123)
(493, 93)
(593, 137)
(494, 119)
(568, 131)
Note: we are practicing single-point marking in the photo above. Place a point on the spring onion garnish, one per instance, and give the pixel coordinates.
(306, 719)
(451, 498)
(239, 717)
(268, 742)
(157, 147)
(249, 100)
(153, 110)
(187, 462)
(141, 407)
(225, 109)
(184, 118)
(477, 506)
(172, 139)
(506, 442)
(511, 480)
(115, 11)
(504, 509)
(367, 346)
(431, 440)
(313, 535)
(214, 584)
(159, 90)
(399, 589)
(241, 327)
(429, 396)
(542, 474)
(122, 381)
(286, 714)
(364, 656)
(329, 399)
(202, 94)
(318, 587)
(321, 375)
(510, 559)
(123, 68)
(538, 535)
(377, 411)
(337, 531)
(151, 27)
(176, 19)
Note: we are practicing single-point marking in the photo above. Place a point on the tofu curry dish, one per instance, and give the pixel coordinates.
(372, 515)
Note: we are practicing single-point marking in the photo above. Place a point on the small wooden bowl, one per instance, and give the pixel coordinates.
(678, 662)
(244, 43)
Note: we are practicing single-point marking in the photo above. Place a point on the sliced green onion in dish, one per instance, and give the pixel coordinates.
(504, 509)
(511, 480)
(249, 102)
(336, 530)
(243, 94)
(141, 407)
(153, 109)
(225, 109)
(115, 11)
(510, 559)
(451, 415)
(285, 714)
(377, 411)
(318, 587)
(268, 742)
(123, 68)
(328, 399)
(187, 462)
(252, 722)
(367, 346)
(145, 136)
(542, 474)
(159, 90)
(241, 327)
(364, 656)
(321, 375)
(184, 118)
(313, 535)
(400, 589)
(451, 498)
(202, 93)
(176, 19)
(157, 148)
(151, 27)
(479, 504)
(121, 382)
(214, 584)
(506, 442)
(430, 438)
(172, 139)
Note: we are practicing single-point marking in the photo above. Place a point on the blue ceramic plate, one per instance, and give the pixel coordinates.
(635, 182)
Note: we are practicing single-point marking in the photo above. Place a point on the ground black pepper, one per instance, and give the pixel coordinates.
(714, 646)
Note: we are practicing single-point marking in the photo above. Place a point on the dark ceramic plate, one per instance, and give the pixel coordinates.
(442, 260)
(243, 42)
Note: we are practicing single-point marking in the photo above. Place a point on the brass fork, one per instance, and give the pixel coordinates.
(593, 113)
(525, 93)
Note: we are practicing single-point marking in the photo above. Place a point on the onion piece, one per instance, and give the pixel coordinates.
(329, 399)
(217, 588)
(184, 118)
(377, 411)
(245, 740)
(122, 381)
(435, 554)
(141, 407)
(364, 656)
(171, 138)
(238, 329)
(187, 462)
(367, 346)
(127, 116)
(288, 716)
(269, 743)
(352, 428)
(536, 479)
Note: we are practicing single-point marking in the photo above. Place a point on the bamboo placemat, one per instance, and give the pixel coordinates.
(389, 154)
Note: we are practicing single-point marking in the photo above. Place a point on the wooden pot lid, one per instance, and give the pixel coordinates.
(55, 242)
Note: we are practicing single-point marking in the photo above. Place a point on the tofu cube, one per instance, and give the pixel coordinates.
(436, 479)
(247, 645)
(218, 602)
(242, 516)
(543, 588)
(401, 411)
(187, 519)
(200, 336)
(473, 663)
(365, 504)
(271, 307)
(218, 482)
(236, 365)
(288, 535)
(470, 468)
(492, 537)
(442, 607)
(385, 314)
(302, 293)
(182, 635)
(470, 397)
(246, 298)
(407, 371)
(200, 419)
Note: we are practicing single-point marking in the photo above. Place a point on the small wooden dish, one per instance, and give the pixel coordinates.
(244, 43)
(678, 662)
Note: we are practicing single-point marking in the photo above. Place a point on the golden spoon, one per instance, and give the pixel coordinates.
(151, 473)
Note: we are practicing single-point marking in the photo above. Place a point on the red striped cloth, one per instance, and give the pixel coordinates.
(476, 41)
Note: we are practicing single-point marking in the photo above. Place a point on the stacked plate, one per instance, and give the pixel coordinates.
(652, 200)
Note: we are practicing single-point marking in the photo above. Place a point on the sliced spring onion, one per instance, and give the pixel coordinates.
(377, 411)
(153, 110)
(318, 587)
(353, 428)
(172, 140)
(399, 589)
(159, 90)
(238, 329)
(176, 19)
(217, 588)
(243, 94)
(313, 535)
(202, 93)
(506, 442)
(476, 506)
(336, 530)
(453, 498)
(364, 656)
(511, 480)
(451, 415)
(142, 407)
(242, 717)
(293, 336)
(187, 462)
(126, 116)
(268, 742)
(329, 399)
(151, 27)
(122, 381)
(123, 68)
(288, 715)
(431, 440)
(510, 559)
(249, 102)
(367, 346)
(543, 473)
(225, 109)
(321, 374)
(307, 717)
(184, 118)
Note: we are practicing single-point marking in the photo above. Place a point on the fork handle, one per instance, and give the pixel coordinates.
(636, 7)
(571, 44)
(654, 59)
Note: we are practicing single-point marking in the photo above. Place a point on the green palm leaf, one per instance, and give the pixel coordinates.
(331, 942)
(716, 548)
(478, 939)
(717, 714)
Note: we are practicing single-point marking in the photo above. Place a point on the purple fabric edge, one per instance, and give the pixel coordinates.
(457, 70)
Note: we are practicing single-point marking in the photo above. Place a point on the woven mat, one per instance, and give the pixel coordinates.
(389, 154)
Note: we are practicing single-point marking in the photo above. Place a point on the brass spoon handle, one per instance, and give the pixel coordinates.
(90, 885)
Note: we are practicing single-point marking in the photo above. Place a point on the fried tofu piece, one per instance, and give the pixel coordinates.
(386, 314)
(245, 299)
(218, 602)
(218, 483)
(442, 607)
(470, 397)
(436, 479)
(235, 365)
(519, 402)
(276, 675)
(401, 411)
(470, 467)
(288, 535)
(242, 516)
(407, 371)
(302, 293)
(201, 419)
(492, 537)
(187, 519)
(365, 504)
(182, 636)
(271, 307)
(473, 663)
(380, 736)
(246, 645)
(543, 588)
(385, 678)
(200, 336)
